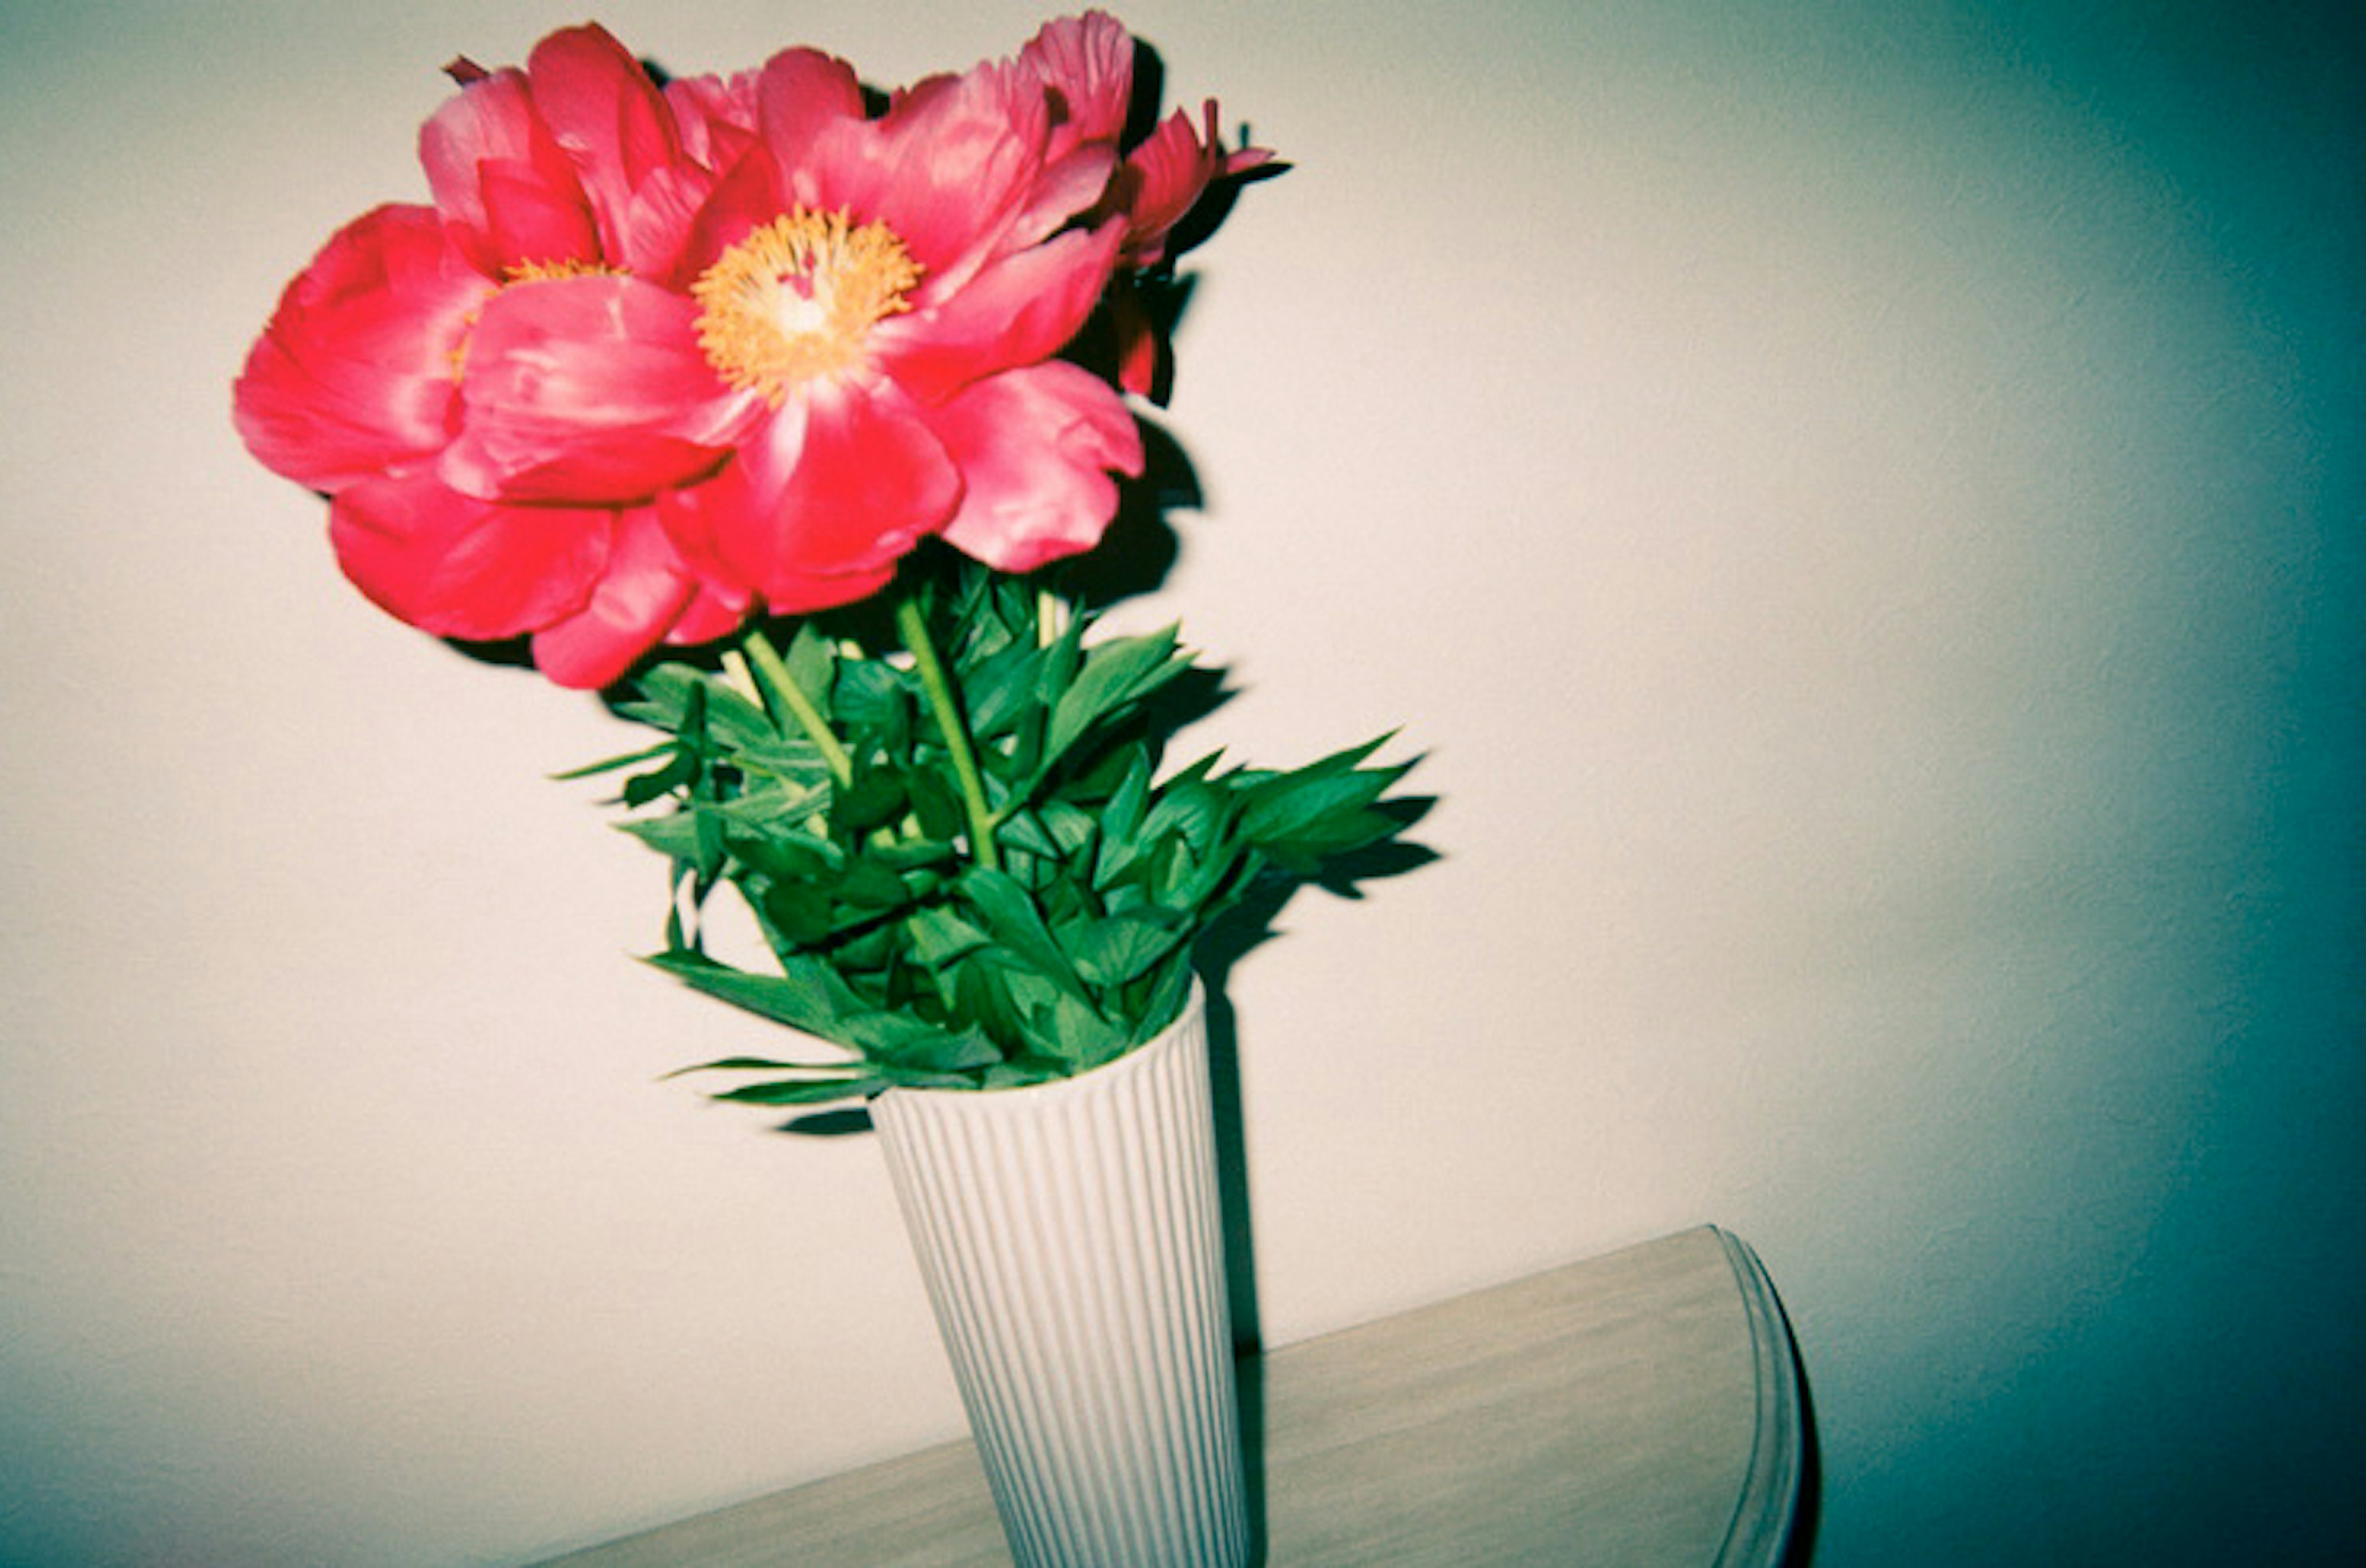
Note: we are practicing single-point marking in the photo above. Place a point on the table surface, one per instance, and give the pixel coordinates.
(1643, 1408)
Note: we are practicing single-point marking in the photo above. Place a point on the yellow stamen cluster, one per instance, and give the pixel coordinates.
(797, 300)
(554, 271)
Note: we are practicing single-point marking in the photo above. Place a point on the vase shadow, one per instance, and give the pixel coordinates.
(1245, 927)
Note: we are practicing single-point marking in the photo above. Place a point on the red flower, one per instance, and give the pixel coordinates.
(655, 356)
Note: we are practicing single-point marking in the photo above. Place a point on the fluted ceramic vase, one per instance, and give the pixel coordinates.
(1071, 1236)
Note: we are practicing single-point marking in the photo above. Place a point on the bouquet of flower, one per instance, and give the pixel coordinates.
(664, 361)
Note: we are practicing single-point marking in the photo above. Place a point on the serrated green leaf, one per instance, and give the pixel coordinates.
(781, 855)
(1279, 809)
(892, 944)
(1189, 808)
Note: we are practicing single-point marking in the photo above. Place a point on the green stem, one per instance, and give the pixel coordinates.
(779, 685)
(913, 625)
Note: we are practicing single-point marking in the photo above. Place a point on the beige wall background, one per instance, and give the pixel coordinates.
(1859, 504)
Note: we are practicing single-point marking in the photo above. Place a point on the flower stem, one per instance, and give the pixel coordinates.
(778, 685)
(913, 625)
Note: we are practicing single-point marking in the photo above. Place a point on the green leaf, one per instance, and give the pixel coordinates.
(1011, 916)
(1121, 820)
(872, 703)
(805, 996)
(947, 1052)
(1112, 951)
(999, 691)
(630, 759)
(762, 1065)
(811, 663)
(874, 800)
(936, 804)
(1085, 1037)
(807, 1092)
(1114, 673)
(869, 883)
(671, 696)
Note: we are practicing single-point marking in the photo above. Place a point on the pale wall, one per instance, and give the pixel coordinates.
(1860, 505)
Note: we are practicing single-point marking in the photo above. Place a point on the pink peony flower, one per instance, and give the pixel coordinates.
(658, 357)
(357, 385)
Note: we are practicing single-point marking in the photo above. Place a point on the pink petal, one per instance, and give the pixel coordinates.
(1085, 64)
(1036, 448)
(746, 194)
(1167, 175)
(353, 373)
(639, 599)
(714, 521)
(458, 567)
(588, 392)
(948, 168)
(711, 614)
(488, 133)
(529, 220)
(716, 115)
(801, 96)
(1088, 62)
(611, 120)
(837, 483)
(1020, 310)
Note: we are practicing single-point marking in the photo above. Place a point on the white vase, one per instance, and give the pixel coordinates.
(1071, 1237)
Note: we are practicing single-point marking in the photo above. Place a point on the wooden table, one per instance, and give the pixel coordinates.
(1643, 1408)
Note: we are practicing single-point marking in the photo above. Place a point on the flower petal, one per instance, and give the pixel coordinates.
(588, 392)
(948, 168)
(1085, 64)
(716, 115)
(640, 598)
(838, 484)
(1088, 62)
(1020, 310)
(458, 567)
(497, 174)
(354, 375)
(801, 96)
(611, 120)
(1036, 448)
(718, 525)
(711, 614)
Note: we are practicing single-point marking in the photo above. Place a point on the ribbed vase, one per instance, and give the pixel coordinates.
(1071, 1237)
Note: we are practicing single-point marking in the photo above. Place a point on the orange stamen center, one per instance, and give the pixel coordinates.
(797, 300)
